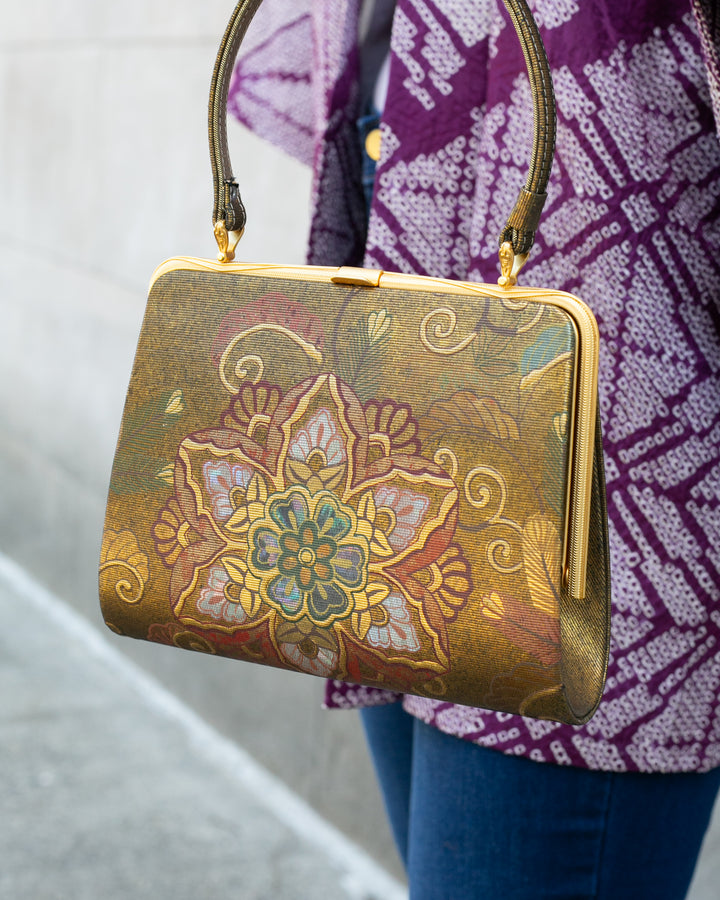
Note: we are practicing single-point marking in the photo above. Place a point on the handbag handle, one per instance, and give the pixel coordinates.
(517, 236)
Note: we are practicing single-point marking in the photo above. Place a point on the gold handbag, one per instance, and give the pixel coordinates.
(318, 470)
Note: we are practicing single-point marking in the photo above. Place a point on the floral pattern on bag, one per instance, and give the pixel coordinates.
(332, 536)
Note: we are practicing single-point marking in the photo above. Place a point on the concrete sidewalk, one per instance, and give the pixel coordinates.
(113, 789)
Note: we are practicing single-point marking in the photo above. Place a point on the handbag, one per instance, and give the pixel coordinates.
(326, 469)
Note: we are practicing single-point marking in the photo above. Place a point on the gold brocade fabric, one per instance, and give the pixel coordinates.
(359, 483)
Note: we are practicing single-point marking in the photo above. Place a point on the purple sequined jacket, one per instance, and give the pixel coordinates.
(632, 225)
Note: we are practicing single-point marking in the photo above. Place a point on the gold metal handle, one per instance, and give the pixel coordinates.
(517, 236)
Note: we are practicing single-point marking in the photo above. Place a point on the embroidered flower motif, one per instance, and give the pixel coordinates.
(214, 600)
(185, 538)
(169, 532)
(330, 532)
(221, 479)
(253, 404)
(323, 662)
(317, 456)
(378, 325)
(321, 435)
(392, 625)
(450, 581)
(406, 509)
(395, 423)
(308, 647)
(309, 555)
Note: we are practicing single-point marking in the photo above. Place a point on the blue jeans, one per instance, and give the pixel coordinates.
(474, 823)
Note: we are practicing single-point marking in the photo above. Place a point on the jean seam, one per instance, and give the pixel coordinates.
(603, 837)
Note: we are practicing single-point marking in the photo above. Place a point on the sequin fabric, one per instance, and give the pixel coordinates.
(632, 225)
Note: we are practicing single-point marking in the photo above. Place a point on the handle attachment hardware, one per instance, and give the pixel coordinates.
(226, 240)
(510, 264)
(229, 213)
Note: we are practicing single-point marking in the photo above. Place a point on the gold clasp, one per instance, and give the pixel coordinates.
(510, 265)
(352, 275)
(227, 241)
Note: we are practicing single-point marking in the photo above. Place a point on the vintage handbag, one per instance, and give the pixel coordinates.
(385, 479)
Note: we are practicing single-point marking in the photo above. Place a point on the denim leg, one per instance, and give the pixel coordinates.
(389, 733)
(655, 828)
(487, 825)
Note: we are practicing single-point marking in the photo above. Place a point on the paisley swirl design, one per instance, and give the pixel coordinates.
(123, 566)
(438, 325)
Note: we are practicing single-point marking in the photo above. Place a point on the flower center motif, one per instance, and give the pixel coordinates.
(309, 555)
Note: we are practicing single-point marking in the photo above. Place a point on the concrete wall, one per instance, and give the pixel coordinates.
(103, 174)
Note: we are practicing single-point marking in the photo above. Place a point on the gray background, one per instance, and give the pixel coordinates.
(103, 174)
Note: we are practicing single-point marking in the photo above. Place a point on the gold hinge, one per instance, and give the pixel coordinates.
(352, 275)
